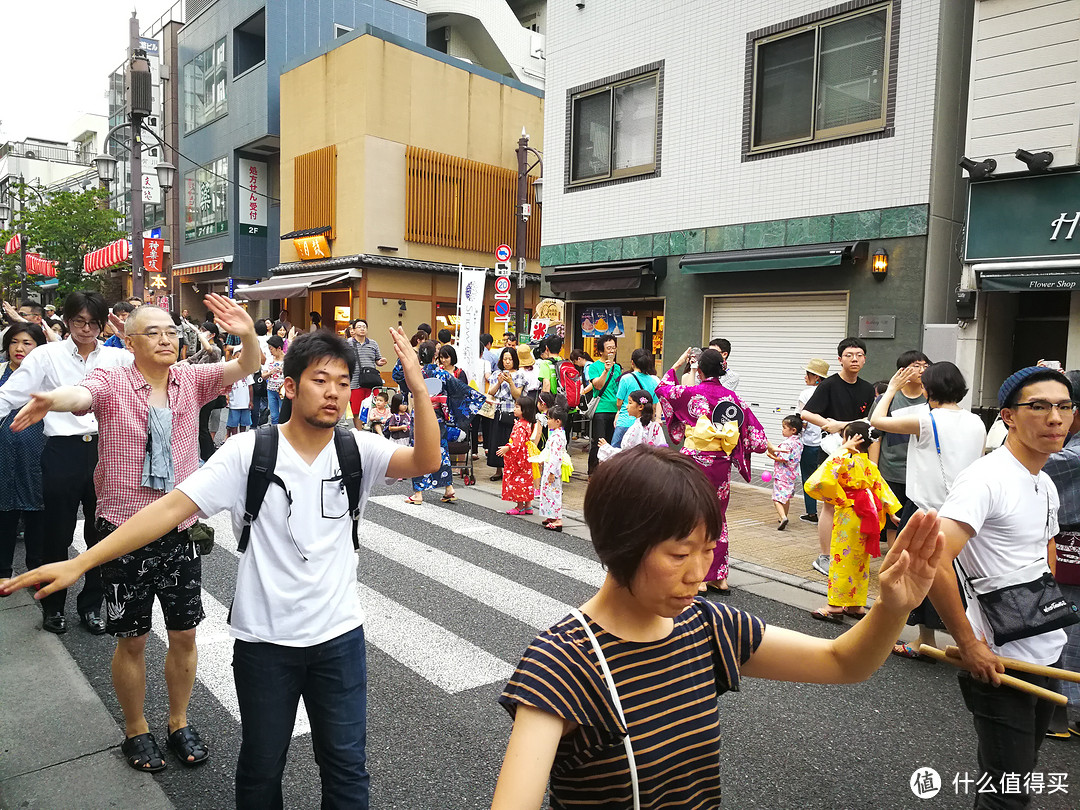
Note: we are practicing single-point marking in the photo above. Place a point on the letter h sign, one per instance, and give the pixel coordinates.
(1064, 220)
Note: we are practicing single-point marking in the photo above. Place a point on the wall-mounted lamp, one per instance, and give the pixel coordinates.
(977, 171)
(880, 264)
(580, 4)
(401, 304)
(1035, 161)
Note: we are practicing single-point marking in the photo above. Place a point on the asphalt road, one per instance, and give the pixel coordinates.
(457, 594)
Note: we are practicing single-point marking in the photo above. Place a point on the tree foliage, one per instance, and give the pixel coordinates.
(63, 226)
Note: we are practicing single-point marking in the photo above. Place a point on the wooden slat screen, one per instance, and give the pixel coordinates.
(460, 203)
(315, 189)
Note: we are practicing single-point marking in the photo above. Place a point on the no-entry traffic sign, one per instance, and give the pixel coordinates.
(502, 253)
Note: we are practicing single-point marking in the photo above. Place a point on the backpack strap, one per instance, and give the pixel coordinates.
(260, 476)
(352, 474)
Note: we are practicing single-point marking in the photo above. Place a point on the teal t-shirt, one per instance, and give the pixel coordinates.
(629, 384)
(607, 401)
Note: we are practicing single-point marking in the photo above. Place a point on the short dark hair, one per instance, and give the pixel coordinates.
(602, 341)
(315, 315)
(445, 336)
(424, 327)
(121, 307)
(578, 354)
(260, 327)
(275, 341)
(311, 347)
(711, 363)
(944, 382)
(554, 343)
(486, 340)
(507, 350)
(449, 352)
(426, 352)
(909, 357)
(643, 361)
(642, 497)
(360, 320)
(1039, 376)
(863, 431)
(850, 343)
(36, 333)
(381, 392)
(723, 344)
(880, 387)
(34, 307)
(528, 409)
(558, 412)
(91, 301)
(279, 325)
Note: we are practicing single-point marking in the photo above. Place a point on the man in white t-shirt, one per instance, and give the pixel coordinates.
(998, 518)
(296, 617)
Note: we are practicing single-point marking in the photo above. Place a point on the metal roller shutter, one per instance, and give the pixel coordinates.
(772, 338)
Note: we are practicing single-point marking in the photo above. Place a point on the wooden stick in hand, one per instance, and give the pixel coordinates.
(1018, 684)
(1025, 666)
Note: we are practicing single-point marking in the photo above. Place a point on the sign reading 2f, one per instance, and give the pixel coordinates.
(1064, 220)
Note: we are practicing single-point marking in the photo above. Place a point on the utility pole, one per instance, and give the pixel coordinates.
(138, 106)
(523, 213)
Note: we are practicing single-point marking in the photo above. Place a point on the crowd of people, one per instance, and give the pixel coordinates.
(123, 423)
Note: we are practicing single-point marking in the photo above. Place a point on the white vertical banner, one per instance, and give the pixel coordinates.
(471, 309)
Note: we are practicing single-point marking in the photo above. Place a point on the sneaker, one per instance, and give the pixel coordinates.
(808, 518)
(821, 564)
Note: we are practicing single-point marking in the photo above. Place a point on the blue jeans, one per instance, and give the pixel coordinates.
(258, 399)
(274, 399)
(332, 678)
(616, 437)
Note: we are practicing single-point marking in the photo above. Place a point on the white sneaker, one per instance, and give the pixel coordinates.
(821, 564)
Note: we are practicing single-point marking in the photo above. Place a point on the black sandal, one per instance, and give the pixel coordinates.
(185, 742)
(143, 754)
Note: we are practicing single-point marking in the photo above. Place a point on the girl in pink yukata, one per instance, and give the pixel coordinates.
(786, 466)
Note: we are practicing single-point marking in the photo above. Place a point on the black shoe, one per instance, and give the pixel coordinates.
(54, 623)
(808, 518)
(93, 622)
(496, 477)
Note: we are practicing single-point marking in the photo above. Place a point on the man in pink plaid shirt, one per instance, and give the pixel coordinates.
(148, 417)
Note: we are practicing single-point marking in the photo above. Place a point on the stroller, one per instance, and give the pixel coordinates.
(458, 441)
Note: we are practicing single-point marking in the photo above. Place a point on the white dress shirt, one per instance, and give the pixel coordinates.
(52, 366)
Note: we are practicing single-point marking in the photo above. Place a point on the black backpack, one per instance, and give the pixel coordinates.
(261, 475)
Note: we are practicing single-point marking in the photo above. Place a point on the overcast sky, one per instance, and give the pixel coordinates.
(56, 58)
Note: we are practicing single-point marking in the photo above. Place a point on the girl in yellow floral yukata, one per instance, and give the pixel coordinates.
(850, 481)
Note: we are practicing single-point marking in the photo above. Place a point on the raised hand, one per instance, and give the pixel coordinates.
(32, 412)
(13, 313)
(53, 577)
(229, 314)
(117, 325)
(908, 570)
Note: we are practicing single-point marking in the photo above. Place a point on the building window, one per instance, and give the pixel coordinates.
(615, 128)
(341, 30)
(206, 200)
(204, 87)
(249, 43)
(825, 80)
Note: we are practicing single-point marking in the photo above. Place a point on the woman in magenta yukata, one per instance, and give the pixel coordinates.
(719, 430)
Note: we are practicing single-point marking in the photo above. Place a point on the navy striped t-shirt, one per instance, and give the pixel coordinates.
(668, 690)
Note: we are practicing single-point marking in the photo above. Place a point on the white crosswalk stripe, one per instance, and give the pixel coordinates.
(573, 565)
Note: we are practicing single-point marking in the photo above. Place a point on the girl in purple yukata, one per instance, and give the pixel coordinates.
(786, 458)
(717, 430)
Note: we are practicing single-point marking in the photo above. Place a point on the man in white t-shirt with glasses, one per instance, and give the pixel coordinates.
(998, 519)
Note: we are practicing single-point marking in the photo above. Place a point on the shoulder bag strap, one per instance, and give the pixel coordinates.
(618, 705)
(260, 474)
(352, 474)
(937, 445)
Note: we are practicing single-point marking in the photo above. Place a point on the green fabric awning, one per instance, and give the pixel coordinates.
(1029, 282)
(782, 258)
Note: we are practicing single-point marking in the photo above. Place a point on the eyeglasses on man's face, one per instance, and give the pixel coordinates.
(1043, 407)
(82, 323)
(156, 334)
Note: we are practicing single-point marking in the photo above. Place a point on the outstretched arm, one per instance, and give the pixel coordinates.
(906, 575)
(67, 399)
(149, 523)
(236, 321)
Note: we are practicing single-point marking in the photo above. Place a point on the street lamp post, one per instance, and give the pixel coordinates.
(5, 213)
(524, 211)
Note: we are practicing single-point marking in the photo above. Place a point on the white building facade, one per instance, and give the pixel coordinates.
(730, 170)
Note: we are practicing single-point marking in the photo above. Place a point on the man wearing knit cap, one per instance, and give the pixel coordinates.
(998, 520)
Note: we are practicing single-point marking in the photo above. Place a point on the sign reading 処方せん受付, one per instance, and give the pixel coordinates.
(252, 197)
(1033, 217)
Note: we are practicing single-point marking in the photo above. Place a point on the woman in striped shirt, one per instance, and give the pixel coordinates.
(654, 739)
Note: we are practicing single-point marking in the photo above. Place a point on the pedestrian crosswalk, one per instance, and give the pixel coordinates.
(448, 648)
